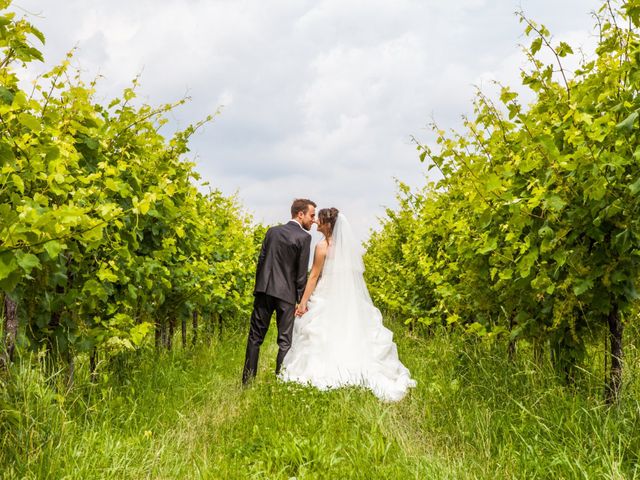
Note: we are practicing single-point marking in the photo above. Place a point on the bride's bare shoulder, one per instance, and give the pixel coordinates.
(322, 246)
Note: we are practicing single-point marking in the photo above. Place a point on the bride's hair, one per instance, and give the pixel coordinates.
(328, 215)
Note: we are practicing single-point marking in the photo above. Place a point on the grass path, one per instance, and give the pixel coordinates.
(185, 415)
(277, 430)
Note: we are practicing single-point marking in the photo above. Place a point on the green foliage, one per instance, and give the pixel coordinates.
(532, 227)
(103, 232)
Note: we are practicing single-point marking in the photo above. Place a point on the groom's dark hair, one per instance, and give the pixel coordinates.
(300, 205)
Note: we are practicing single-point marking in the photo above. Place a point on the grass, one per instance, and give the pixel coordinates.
(185, 415)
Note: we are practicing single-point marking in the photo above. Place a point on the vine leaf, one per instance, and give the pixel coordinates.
(627, 124)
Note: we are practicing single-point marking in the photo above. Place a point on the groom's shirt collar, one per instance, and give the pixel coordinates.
(299, 224)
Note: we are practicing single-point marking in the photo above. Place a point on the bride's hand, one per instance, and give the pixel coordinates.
(301, 310)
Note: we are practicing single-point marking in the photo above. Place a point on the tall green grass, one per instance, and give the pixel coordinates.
(473, 415)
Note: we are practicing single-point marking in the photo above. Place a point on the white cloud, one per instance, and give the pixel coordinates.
(320, 96)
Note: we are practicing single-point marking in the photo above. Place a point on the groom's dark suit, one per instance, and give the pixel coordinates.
(281, 276)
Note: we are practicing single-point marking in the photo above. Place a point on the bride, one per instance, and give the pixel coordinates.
(339, 338)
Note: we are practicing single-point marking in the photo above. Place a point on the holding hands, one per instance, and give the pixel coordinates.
(301, 309)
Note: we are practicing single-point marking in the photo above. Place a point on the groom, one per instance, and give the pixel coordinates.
(281, 276)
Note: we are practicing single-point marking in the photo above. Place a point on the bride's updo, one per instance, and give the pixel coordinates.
(328, 216)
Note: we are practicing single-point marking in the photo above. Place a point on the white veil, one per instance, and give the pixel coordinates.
(349, 309)
(343, 256)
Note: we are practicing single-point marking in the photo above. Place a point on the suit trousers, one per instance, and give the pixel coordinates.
(263, 307)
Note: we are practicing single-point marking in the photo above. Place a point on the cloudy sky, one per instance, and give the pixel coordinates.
(319, 98)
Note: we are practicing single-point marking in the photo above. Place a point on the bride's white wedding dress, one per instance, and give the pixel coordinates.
(341, 339)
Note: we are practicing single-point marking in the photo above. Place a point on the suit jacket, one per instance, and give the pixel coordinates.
(283, 262)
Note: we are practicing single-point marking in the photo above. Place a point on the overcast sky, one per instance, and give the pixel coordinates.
(320, 98)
